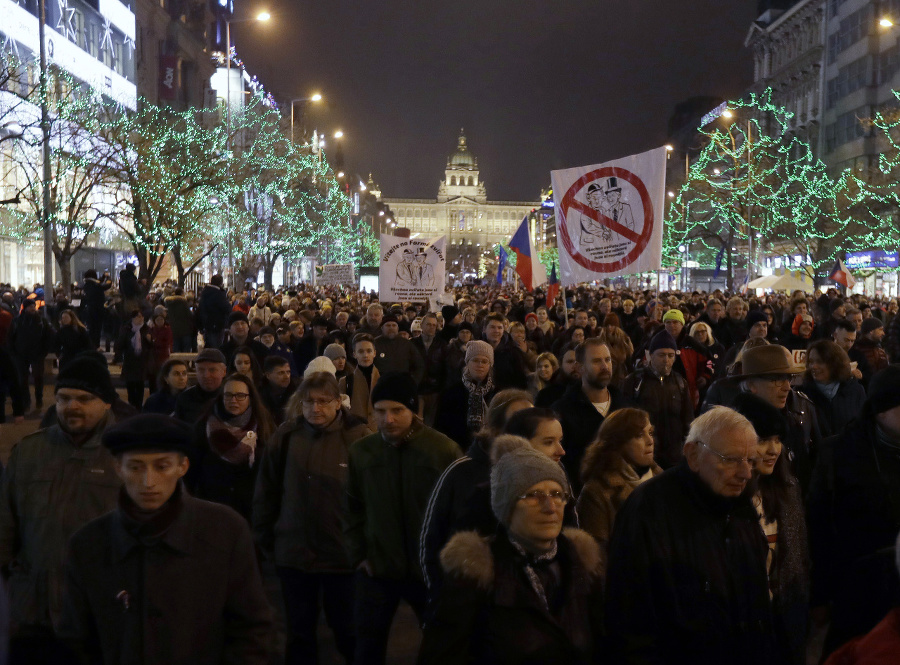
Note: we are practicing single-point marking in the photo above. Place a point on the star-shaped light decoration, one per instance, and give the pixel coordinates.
(106, 41)
(65, 23)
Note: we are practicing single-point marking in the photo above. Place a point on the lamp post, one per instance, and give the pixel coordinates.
(45, 149)
(315, 97)
(262, 17)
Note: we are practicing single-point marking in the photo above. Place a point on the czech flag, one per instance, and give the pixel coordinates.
(527, 265)
(841, 275)
(552, 287)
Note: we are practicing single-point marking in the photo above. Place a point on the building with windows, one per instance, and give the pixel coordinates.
(462, 212)
(787, 42)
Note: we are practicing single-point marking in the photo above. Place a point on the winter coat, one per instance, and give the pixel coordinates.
(387, 492)
(879, 647)
(454, 361)
(179, 316)
(163, 401)
(135, 366)
(307, 349)
(398, 355)
(686, 577)
(51, 488)
(192, 402)
(360, 393)
(434, 359)
(510, 368)
(213, 309)
(162, 347)
(263, 313)
(790, 602)
(874, 354)
(668, 402)
(834, 414)
(452, 411)
(490, 613)
(300, 498)
(194, 595)
(580, 422)
(695, 362)
(95, 295)
(70, 341)
(602, 497)
(30, 338)
(854, 518)
(213, 478)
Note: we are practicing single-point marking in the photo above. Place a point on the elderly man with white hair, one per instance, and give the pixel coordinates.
(687, 559)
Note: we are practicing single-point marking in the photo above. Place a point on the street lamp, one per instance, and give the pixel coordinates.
(262, 17)
(886, 22)
(315, 97)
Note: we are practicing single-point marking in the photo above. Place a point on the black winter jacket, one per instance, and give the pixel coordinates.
(668, 402)
(213, 308)
(833, 415)
(687, 578)
(580, 422)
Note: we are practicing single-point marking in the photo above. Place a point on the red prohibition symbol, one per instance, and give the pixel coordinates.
(640, 240)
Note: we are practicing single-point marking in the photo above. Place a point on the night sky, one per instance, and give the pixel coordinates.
(537, 85)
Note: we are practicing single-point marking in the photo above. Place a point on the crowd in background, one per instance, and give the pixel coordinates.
(618, 476)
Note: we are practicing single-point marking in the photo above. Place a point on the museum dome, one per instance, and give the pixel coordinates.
(462, 158)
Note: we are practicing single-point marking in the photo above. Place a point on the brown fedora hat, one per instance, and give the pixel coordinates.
(768, 359)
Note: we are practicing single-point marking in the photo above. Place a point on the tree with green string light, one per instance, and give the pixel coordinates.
(755, 186)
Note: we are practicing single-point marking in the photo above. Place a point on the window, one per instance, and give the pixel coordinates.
(470, 181)
(846, 128)
(452, 180)
(850, 30)
(849, 79)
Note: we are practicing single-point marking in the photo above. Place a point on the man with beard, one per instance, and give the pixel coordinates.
(57, 480)
(583, 408)
(569, 373)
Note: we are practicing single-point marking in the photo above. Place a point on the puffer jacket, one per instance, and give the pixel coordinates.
(299, 501)
(490, 611)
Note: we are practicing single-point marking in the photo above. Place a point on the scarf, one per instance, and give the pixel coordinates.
(828, 389)
(136, 338)
(541, 570)
(233, 438)
(477, 406)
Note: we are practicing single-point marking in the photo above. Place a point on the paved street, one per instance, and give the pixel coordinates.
(404, 642)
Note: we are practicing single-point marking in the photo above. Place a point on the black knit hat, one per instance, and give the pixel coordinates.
(449, 312)
(870, 324)
(149, 431)
(884, 390)
(397, 387)
(465, 325)
(765, 418)
(88, 371)
(237, 316)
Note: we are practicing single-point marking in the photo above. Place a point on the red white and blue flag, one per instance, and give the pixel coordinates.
(552, 287)
(528, 267)
(841, 275)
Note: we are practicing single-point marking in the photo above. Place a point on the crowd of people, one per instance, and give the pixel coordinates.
(618, 477)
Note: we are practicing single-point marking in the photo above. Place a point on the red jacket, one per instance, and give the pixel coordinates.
(880, 647)
(162, 344)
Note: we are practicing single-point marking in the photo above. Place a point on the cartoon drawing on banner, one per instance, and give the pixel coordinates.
(599, 239)
(412, 269)
(424, 270)
(609, 217)
(407, 271)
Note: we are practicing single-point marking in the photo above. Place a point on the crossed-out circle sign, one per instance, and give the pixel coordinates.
(640, 239)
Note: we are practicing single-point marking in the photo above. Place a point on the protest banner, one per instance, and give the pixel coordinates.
(337, 274)
(411, 269)
(609, 217)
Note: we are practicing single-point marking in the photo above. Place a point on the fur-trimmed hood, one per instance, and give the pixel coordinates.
(468, 555)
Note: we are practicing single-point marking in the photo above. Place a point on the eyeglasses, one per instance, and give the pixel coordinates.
(240, 397)
(538, 497)
(316, 402)
(731, 462)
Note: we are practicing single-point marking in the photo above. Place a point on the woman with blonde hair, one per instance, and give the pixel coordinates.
(612, 467)
(621, 349)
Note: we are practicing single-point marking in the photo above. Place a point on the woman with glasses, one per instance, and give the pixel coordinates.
(776, 496)
(531, 592)
(612, 467)
(230, 437)
(298, 514)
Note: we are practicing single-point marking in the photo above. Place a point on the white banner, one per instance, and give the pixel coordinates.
(412, 269)
(609, 217)
(337, 274)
